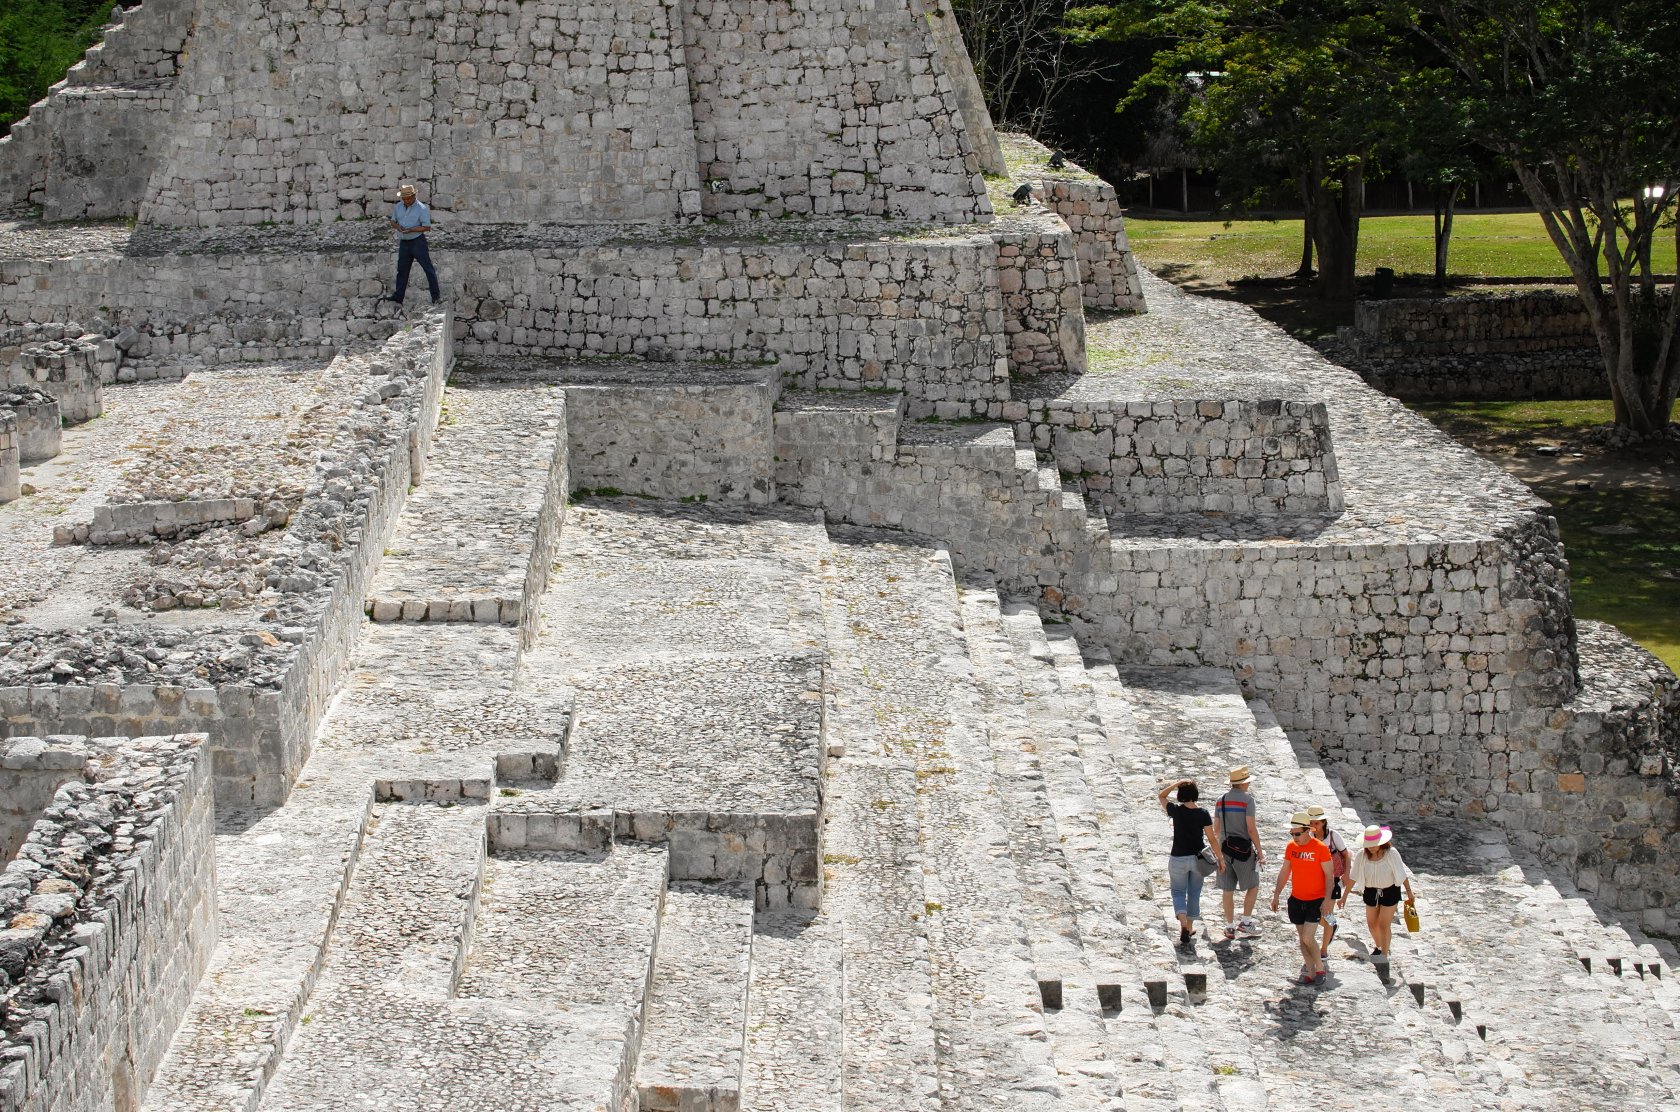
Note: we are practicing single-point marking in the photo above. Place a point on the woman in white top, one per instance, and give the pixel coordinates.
(1378, 872)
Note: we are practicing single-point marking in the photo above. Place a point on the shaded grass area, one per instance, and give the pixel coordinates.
(1623, 542)
(1518, 423)
(1484, 245)
(1624, 561)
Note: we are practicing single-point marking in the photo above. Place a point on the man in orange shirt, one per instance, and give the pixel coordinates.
(1306, 870)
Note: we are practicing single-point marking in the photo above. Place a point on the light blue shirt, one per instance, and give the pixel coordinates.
(415, 216)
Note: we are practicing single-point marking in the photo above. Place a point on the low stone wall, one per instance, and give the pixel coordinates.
(111, 912)
(1187, 456)
(672, 432)
(31, 772)
(260, 733)
(40, 429)
(1567, 373)
(1472, 325)
(1038, 276)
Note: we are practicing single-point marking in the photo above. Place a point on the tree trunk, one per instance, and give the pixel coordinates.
(1334, 216)
(1305, 270)
(1445, 201)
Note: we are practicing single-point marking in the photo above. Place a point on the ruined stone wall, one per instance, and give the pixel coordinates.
(1593, 784)
(112, 913)
(1038, 277)
(260, 733)
(921, 315)
(1186, 456)
(1473, 325)
(830, 107)
(31, 772)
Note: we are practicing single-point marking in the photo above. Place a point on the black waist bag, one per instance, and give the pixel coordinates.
(1237, 847)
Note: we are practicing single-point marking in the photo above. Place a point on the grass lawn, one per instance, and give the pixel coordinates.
(1484, 245)
(1484, 423)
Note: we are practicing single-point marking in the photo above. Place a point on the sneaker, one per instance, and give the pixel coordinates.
(393, 300)
(1319, 977)
(1248, 929)
(1230, 932)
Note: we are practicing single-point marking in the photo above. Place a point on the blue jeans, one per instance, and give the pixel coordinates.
(1186, 886)
(409, 252)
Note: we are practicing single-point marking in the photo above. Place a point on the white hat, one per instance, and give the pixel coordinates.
(1376, 836)
(1300, 818)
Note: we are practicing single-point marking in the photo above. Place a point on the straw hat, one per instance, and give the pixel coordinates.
(1239, 775)
(1300, 818)
(1376, 836)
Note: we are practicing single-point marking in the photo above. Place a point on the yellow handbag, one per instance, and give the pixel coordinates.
(1411, 917)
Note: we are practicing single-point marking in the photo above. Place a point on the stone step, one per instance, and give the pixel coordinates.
(1194, 722)
(475, 540)
(1094, 814)
(795, 1048)
(696, 1016)
(1104, 1027)
(914, 794)
(450, 974)
(281, 879)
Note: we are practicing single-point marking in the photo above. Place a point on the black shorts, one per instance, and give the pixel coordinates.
(1305, 911)
(1382, 897)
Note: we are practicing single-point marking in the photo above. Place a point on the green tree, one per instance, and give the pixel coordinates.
(1582, 98)
(39, 41)
(1273, 92)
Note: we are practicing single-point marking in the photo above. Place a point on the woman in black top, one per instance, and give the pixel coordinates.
(1190, 824)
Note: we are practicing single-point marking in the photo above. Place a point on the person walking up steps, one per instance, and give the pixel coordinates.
(1338, 869)
(1188, 824)
(1378, 872)
(1306, 873)
(1238, 839)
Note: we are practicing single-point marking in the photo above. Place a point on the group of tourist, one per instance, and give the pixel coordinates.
(1318, 871)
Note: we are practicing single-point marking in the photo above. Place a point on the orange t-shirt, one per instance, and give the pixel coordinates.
(1306, 868)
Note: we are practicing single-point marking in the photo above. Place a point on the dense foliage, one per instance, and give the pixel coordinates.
(39, 40)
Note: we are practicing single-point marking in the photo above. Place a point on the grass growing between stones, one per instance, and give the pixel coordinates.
(1484, 245)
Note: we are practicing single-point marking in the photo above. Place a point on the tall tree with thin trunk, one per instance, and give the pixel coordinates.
(1582, 97)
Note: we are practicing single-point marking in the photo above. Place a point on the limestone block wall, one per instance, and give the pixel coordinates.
(72, 371)
(31, 772)
(672, 432)
(1400, 663)
(1593, 784)
(11, 458)
(921, 315)
(1512, 376)
(1038, 279)
(1091, 209)
(828, 107)
(1188, 456)
(971, 99)
(86, 150)
(112, 919)
(260, 736)
(40, 432)
(1473, 325)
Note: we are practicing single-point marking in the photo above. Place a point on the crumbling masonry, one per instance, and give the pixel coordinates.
(724, 658)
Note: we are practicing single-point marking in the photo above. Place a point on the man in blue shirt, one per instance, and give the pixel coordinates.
(411, 220)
